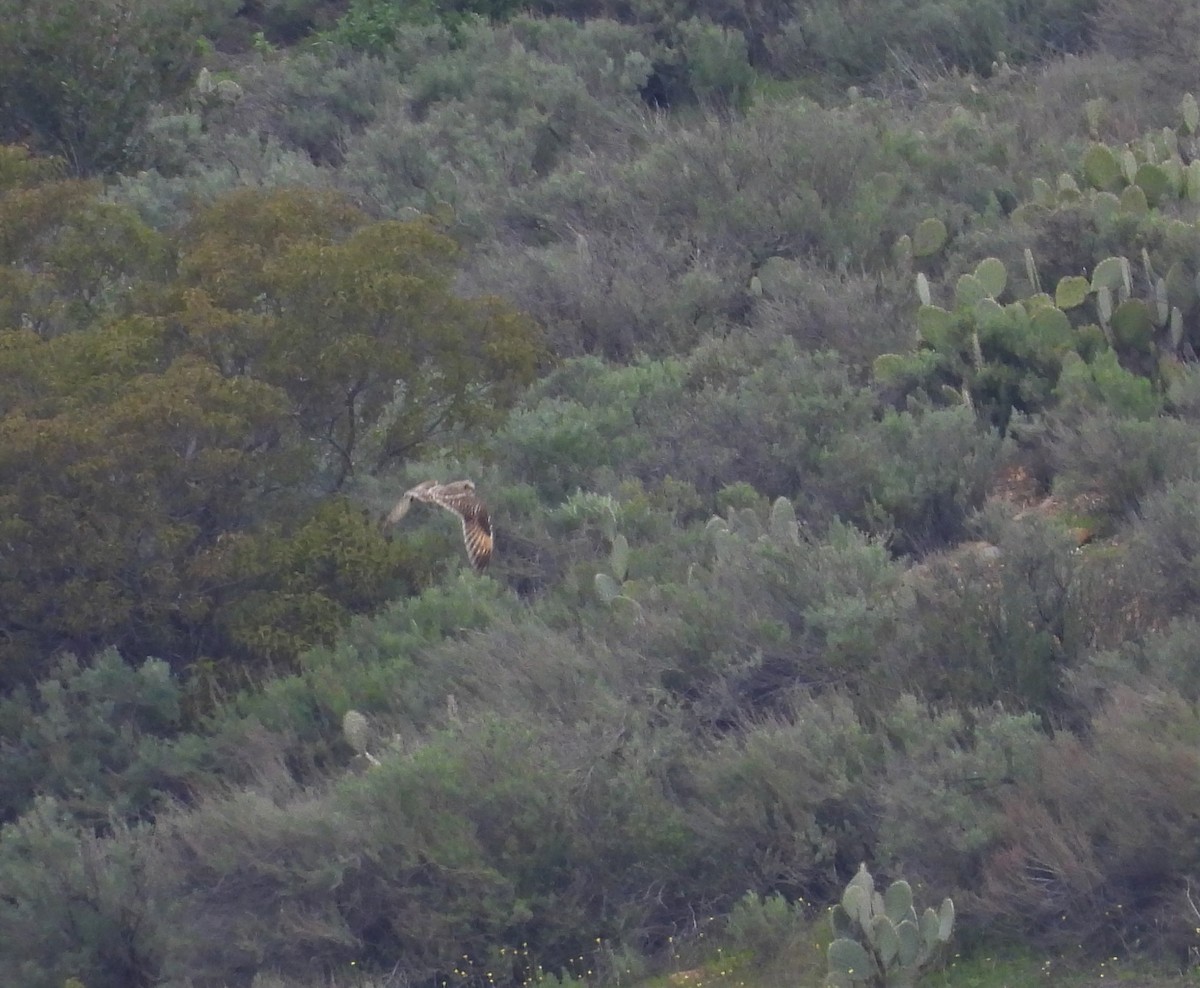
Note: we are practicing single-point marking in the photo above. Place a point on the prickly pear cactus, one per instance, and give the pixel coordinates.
(784, 530)
(879, 939)
(1102, 169)
(929, 237)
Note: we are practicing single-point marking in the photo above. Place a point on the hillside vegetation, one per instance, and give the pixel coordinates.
(830, 372)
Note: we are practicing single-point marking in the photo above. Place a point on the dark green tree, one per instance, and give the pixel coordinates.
(356, 322)
(79, 79)
(169, 464)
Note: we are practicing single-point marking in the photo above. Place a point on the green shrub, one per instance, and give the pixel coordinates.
(79, 906)
(761, 925)
(780, 803)
(718, 64)
(1103, 384)
(1094, 847)
(768, 183)
(378, 664)
(223, 164)
(820, 613)
(585, 417)
(1167, 659)
(1161, 555)
(746, 410)
(1120, 462)
(995, 623)
(375, 26)
(490, 832)
(949, 773)
(287, 21)
(81, 82)
(311, 101)
(856, 316)
(768, 425)
(926, 37)
(98, 739)
(233, 859)
(497, 112)
(617, 293)
(1162, 34)
(913, 476)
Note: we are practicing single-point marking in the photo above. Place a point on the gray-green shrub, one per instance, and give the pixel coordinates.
(78, 906)
(98, 737)
(1098, 846)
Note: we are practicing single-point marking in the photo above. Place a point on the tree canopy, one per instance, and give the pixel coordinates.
(173, 431)
(80, 81)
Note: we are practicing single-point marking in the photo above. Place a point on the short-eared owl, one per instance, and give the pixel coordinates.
(459, 497)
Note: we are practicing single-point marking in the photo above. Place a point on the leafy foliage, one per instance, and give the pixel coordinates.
(82, 83)
(355, 322)
(78, 903)
(1072, 864)
(164, 467)
(96, 739)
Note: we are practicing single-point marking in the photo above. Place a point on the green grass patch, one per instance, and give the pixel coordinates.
(801, 963)
(1019, 970)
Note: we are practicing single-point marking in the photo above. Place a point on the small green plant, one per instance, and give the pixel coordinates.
(609, 587)
(878, 938)
(357, 732)
(761, 924)
(745, 524)
(929, 237)
(718, 64)
(992, 357)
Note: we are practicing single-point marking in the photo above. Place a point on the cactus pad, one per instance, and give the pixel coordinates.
(1153, 180)
(1132, 324)
(991, 273)
(1133, 200)
(968, 290)
(938, 327)
(1189, 111)
(929, 237)
(1102, 170)
(1109, 274)
(898, 900)
(850, 958)
(607, 589)
(1071, 292)
(1051, 326)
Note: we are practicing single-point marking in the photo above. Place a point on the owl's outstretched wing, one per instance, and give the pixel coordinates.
(460, 497)
(418, 493)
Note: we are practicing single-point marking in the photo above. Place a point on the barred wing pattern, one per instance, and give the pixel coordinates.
(459, 497)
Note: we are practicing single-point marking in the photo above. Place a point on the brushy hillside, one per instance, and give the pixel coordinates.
(831, 378)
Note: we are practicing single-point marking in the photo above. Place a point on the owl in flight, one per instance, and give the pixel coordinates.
(459, 497)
